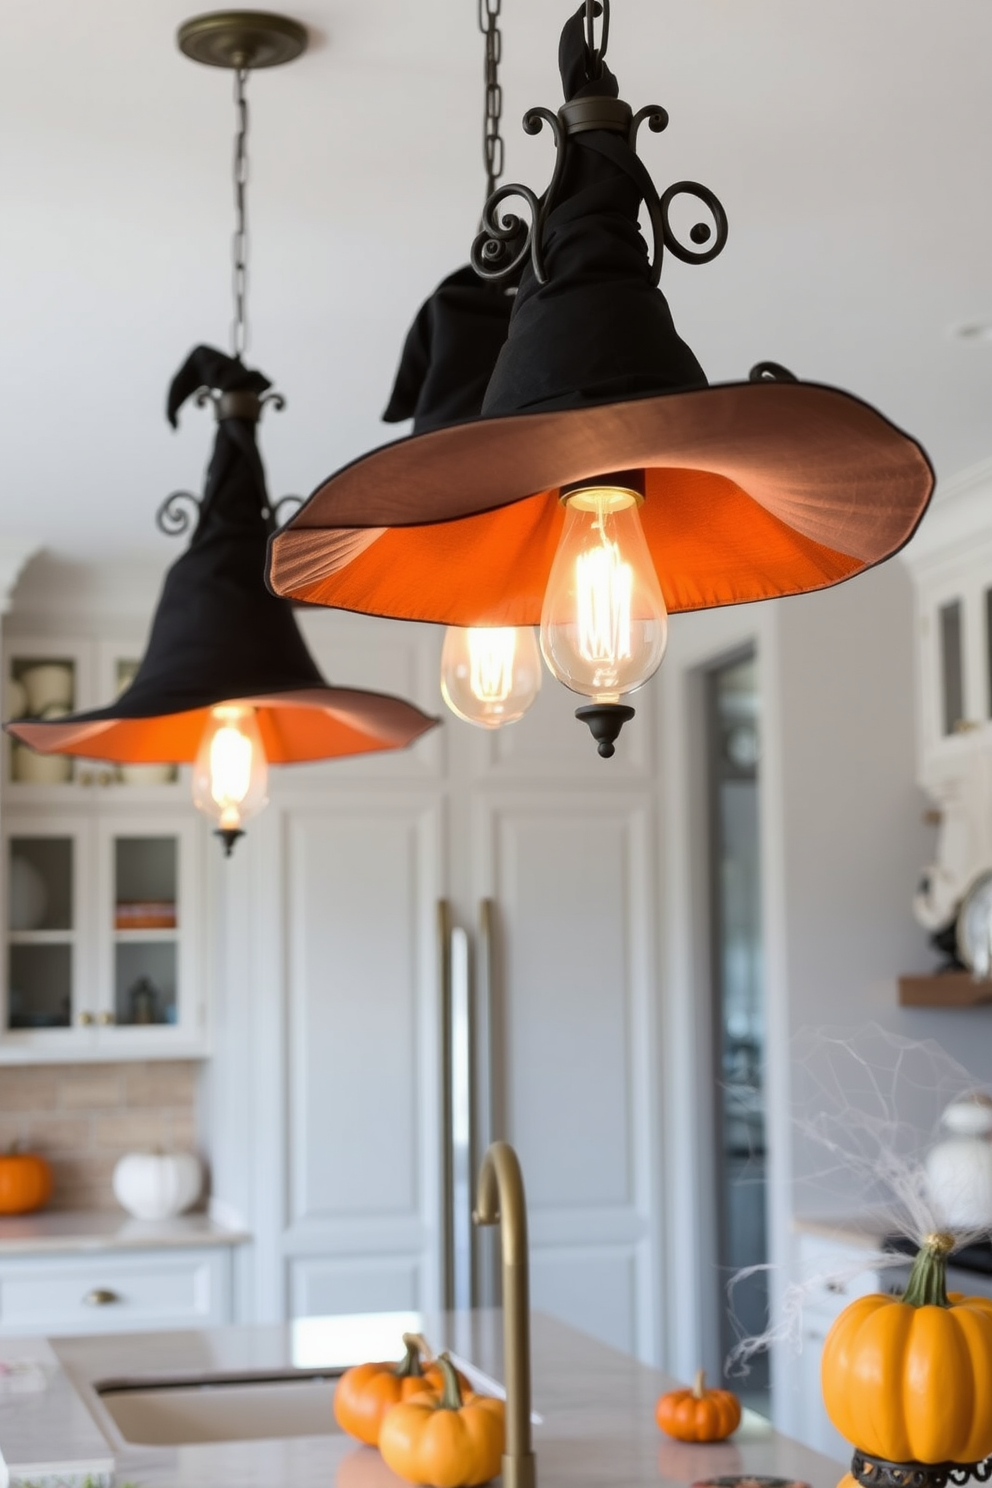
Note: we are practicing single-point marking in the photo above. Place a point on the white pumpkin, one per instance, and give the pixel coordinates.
(157, 1185)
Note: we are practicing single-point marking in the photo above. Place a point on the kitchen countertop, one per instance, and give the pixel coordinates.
(59, 1231)
(596, 1407)
(862, 1232)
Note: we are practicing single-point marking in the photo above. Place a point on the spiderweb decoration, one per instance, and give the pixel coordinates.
(867, 1108)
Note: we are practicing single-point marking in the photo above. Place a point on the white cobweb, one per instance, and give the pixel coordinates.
(867, 1108)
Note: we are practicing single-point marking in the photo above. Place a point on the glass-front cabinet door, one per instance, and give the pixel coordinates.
(148, 981)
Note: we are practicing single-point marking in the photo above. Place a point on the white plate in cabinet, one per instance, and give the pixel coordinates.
(115, 1291)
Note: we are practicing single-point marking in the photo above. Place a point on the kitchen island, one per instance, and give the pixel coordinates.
(596, 1409)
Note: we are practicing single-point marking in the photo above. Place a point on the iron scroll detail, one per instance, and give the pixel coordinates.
(506, 240)
(176, 514)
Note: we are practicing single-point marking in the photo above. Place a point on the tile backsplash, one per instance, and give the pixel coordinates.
(82, 1117)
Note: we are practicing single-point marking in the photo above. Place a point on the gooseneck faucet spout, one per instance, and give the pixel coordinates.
(501, 1201)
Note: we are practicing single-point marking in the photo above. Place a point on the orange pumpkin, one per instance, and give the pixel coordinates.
(909, 1378)
(25, 1182)
(365, 1393)
(445, 1442)
(698, 1415)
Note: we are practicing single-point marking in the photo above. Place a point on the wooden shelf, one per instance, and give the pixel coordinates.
(945, 989)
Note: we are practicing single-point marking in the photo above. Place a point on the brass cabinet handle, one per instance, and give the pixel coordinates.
(100, 1297)
(105, 1019)
(85, 777)
(105, 777)
(85, 1019)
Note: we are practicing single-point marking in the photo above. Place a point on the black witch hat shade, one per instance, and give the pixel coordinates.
(490, 675)
(225, 658)
(599, 418)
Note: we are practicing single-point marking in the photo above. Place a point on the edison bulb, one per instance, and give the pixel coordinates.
(604, 626)
(231, 773)
(490, 676)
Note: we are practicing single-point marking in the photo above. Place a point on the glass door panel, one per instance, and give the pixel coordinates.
(40, 932)
(145, 930)
(739, 1016)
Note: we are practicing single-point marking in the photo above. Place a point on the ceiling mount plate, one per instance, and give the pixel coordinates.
(242, 38)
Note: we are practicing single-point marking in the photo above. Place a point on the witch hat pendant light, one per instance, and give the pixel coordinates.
(227, 683)
(490, 675)
(599, 417)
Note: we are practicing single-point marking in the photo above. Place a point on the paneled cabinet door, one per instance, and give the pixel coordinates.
(570, 878)
(361, 880)
(149, 935)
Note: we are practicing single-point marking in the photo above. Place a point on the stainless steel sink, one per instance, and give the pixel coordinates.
(184, 1412)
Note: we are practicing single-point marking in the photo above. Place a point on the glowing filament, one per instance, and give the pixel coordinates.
(604, 589)
(491, 655)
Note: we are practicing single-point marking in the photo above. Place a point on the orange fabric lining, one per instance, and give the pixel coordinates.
(710, 542)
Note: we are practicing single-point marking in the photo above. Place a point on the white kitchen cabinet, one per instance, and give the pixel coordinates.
(328, 1056)
(45, 677)
(116, 1291)
(102, 929)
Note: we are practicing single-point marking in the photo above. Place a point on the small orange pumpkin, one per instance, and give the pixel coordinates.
(699, 1415)
(25, 1182)
(909, 1378)
(446, 1442)
(365, 1393)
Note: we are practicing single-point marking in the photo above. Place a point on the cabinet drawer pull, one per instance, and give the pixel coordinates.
(106, 1019)
(100, 1297)
(85, 1019)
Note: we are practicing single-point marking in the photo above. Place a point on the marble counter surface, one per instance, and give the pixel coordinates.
(596, 1408)
(60, 1231)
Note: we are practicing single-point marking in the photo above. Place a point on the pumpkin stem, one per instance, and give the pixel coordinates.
(699, 1385)
(451, 1399)
(928, 1279)
(409, 1366)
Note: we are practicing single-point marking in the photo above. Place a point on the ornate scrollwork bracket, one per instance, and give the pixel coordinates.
(876, 1472)
(505, 241)
(239, 403)
(175, 516)
(179, 510)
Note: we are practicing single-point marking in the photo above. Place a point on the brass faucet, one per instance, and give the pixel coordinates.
(501, 1201)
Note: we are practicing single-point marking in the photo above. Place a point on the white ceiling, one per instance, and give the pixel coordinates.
(849, 141)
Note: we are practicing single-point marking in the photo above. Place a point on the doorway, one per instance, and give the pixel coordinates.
(738, 1005)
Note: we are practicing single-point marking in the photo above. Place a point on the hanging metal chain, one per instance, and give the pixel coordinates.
(239, 242)
(492, 139)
